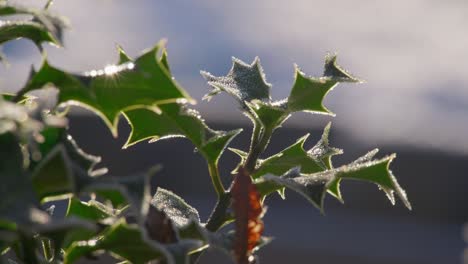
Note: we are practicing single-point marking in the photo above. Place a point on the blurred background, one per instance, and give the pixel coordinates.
(412, 54)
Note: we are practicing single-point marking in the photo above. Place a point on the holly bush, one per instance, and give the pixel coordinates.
(40, 162)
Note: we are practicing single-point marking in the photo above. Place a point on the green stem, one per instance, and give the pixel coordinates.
(218, 217)
(257, 149)
(47, 249)
(216, 179)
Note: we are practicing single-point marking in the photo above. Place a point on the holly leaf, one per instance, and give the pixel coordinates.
(244, 82)
(116, 240)
(248, 211)
(144, 83)
(291, 157)
(176, 120)
(179, 211)
(335, 72)
(308, 93)
(44, 27)
(176, 224)
(247, 84)
(135, 189)
(92, 210)
(11, 30)
(316, 159)
(268, 116)
(314, 186)
(64, 168)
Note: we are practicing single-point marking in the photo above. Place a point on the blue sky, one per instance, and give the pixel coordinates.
(412, 54)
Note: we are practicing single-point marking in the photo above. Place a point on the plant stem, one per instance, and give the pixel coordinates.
(218, 216)
(216, 179)
(257, 149)
(47, 249)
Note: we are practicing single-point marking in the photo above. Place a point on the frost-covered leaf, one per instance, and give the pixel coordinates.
(247, 84)
(317, 159)
(179, 211)
(310, 161)
(124, 240)
(176, 120)
(176, 224)
(136, 189)
(291, 157)
(244, 82)
(334, 71)
(314, 186)
(143, 83)
(248, 212)
(91, 210)
(308, 93)
(375, 171)
(43, 27)
(269, 116)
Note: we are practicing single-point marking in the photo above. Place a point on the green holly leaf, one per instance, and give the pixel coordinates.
(334, 71)
(191, 235)
(291, 157)
(116, 240)
(268, 116)
(91, 210)
(11, 30)
(308, 93)
(175, 120)
(314, 186)
(375, 171)
(179, 211)
(144, 83)
(44, 27)
(244, 82)
(64, 168)
(318, 158)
